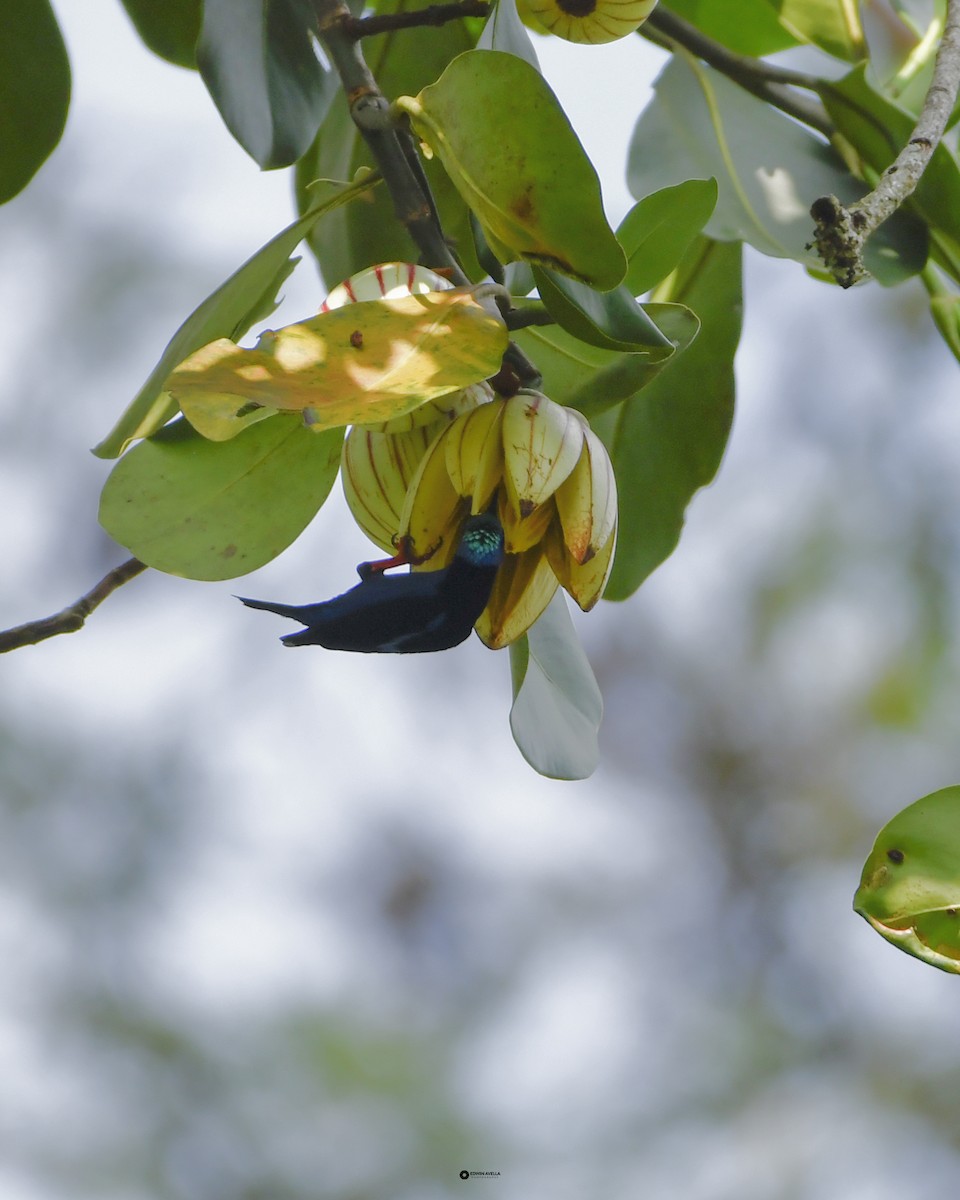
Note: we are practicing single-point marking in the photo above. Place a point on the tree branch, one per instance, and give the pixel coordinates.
(369, 108)
(395, 153)
(841, 231)
(71, 618)
(435, 14)
(524, 318)
(767, 82)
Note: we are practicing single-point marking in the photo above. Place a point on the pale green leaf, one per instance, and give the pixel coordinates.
(216, 510)
(769, 169)
(505, 31)
(656, 232)
(258, 61)
(557, 706)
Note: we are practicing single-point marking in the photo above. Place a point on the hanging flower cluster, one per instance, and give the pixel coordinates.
(414, 480)
(535, 463)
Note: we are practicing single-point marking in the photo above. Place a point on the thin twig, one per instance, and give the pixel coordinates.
(841, 231)
(524, 318)
(761, 79)
(369, 109)
(434, 14)
(71, 618)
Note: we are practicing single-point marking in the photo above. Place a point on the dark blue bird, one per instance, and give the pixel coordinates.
(405, 614)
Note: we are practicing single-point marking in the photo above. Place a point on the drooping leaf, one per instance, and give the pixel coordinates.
(368, 233)
(34, 91)
(667, 442)
(944, 308)
(594, 380)
(613, 320)
(910, 887)
(656, 232)
(169, 29)
(505, 31)
(216, 510)
(833, 25)
(557, 706)
(525, 174)
(877, 129)
(246, 297)
(258, 62)
(367, 362)
(746, 26)
(769, 170)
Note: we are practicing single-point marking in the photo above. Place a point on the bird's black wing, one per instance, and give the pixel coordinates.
(384, 614)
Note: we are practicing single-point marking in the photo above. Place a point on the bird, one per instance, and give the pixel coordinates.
(415, 613)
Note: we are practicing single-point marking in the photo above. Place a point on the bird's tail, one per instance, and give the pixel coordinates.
(293, 611)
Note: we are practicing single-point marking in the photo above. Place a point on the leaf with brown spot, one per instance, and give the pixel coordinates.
(367, 362)
(525, 175)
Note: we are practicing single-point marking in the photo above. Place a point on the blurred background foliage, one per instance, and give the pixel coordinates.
(284, 930)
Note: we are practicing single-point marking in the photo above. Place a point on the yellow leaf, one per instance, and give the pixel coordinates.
(367, 362)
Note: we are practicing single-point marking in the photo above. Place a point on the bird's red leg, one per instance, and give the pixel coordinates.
(400, 559)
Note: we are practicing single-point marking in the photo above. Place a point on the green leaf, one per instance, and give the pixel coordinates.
(746, 26)
(769, 169)
(505, 31)
(34, 91)
(944, 308)
(557, 706)
(613, 320)
(667, 442)
(170, 29)
(216, 510)
(877, 129)
(833, 25)
(369, 233)
(258, 62)
(656, 232)
(593, 380)
(524, 174)
(910, 887)
(246, 297)
(367, 362)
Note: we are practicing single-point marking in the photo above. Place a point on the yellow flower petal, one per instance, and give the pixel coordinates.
(432, 510)
(447, 408)
(524, 587)
(583, 581)
(587, 501)
(375, 470)
(474, 453)
(520, 533)
(541, 445)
